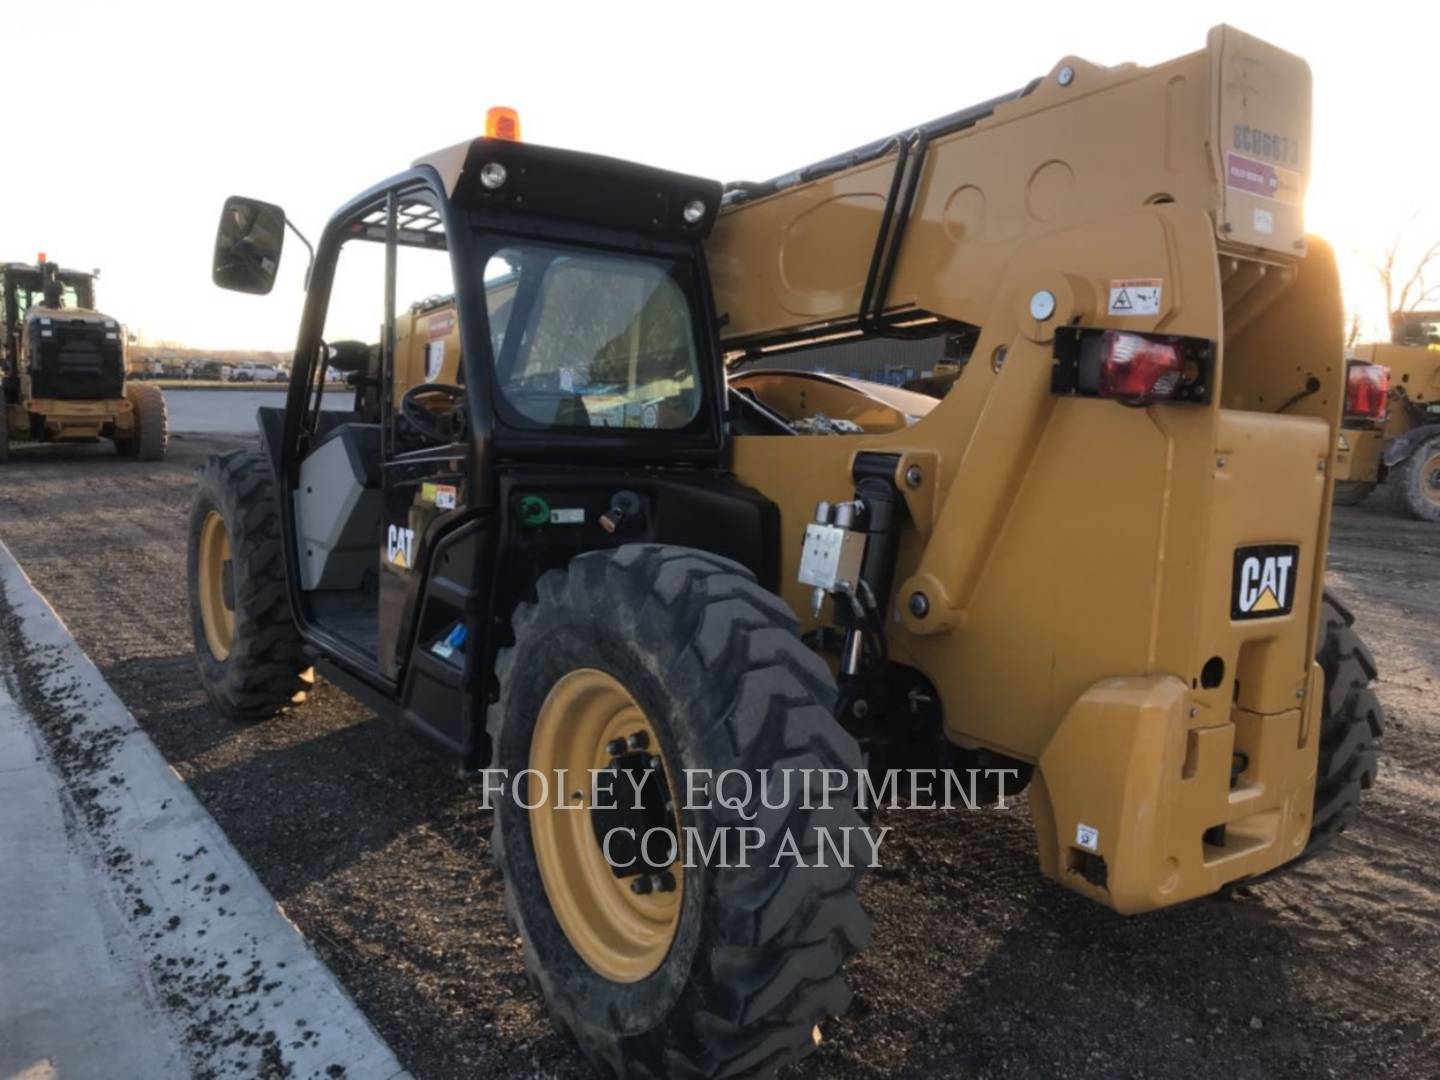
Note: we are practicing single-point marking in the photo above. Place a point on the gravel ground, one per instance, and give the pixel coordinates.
(978, 967)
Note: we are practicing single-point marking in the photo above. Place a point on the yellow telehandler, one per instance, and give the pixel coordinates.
(1391, 431)
(555, 538)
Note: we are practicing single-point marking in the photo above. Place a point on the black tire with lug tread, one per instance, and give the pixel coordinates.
(1352, 722)
(264, 668)
(713, 660)
(1415, 482)
(1352, 492)
(152, 423)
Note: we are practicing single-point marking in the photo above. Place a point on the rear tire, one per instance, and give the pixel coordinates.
(151, 433)
(1415, 482)
(714, 665)
(1352, 492)
(258, 666)
(1352, 722)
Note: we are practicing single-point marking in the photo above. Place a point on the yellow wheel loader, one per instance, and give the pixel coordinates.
(63, 367)
(554, 536)
(1391, 431)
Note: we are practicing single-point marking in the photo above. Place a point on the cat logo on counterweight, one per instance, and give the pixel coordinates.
(1263, 585)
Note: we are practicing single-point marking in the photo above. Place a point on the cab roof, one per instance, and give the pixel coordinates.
(544, 181)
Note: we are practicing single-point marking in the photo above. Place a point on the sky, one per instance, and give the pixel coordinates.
(144, 116)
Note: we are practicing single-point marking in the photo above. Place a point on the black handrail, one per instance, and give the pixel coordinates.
(744, 190)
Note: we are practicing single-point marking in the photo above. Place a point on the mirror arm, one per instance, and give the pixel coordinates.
(308, 247)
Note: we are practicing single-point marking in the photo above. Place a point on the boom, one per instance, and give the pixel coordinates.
(922, 226)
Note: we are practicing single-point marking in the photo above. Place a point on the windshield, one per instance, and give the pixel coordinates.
(25, 299)
(588, 339)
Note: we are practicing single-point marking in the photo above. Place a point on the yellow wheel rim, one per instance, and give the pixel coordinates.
(621, 932)
(217, 609)
(1430, 479)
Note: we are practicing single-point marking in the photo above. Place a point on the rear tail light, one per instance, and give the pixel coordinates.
(1135, 369)
(1367, 390)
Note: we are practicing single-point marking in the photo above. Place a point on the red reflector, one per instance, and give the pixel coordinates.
(1367, 389)
(1138, 370)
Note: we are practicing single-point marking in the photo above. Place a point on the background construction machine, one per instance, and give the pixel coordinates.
(63, 367)
(1391, 432)
(551, 535)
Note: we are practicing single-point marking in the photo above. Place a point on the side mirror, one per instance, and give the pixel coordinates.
(248, 245)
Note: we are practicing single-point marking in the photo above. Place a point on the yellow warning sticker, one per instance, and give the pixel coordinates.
(441, 496)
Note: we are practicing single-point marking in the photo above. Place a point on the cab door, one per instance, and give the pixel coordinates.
(436, 550)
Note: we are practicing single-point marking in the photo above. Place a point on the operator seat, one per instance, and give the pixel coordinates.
(339, 506)
(361, 442)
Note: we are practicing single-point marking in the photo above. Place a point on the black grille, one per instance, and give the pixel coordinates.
(76, 360)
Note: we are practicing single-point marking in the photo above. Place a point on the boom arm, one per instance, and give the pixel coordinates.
(1225, 130)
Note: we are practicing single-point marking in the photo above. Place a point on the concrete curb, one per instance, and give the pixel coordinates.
(141, 921)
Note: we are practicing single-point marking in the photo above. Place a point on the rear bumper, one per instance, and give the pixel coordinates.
(1357, 455)
(76, 419)
(1135, 804)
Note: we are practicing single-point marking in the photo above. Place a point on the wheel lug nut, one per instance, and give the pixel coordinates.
(641, 886)
(639, 741)
(615, 747)
(664, 882)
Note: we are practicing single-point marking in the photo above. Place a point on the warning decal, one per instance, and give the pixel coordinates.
(439, 326)
(441, 496)
(1135, 296)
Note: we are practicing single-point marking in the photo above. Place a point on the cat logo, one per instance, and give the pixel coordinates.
(1264, 581)
(400, 547)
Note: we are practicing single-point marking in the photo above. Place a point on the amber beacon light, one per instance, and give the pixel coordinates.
(502, 122)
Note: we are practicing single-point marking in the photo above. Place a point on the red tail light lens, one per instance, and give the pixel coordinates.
(1367, 391)
(1137, 370)
(1134, 369)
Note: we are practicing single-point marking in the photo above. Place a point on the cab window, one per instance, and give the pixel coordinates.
(586, 339)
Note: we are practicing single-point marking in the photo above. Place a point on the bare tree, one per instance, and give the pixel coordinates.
(1413, 291)
(1352, 329)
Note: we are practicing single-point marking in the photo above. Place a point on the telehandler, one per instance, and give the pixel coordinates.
(63, 367)
(552, 538)
(1391, 431)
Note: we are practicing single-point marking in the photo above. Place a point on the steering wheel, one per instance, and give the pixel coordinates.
(443, 424)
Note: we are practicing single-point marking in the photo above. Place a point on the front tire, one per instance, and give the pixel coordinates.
(750, 953)
(250, 655)
(1352, 492)
(151, 434)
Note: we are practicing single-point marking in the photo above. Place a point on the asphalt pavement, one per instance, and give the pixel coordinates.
(231, 412)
